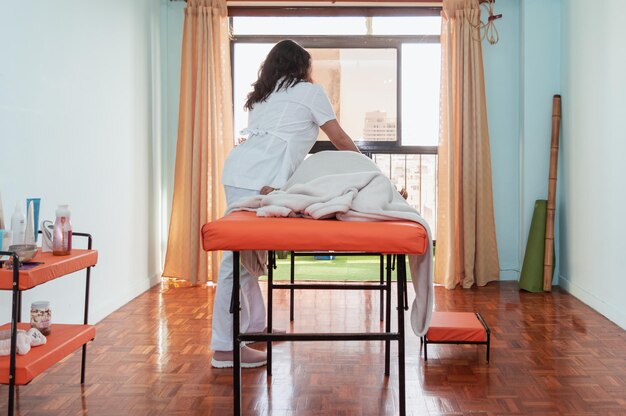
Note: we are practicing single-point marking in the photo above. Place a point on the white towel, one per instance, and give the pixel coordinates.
(350, 187)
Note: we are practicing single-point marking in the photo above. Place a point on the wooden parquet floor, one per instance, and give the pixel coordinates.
(550, 355)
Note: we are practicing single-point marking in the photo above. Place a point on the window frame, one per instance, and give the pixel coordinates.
(329, 11)
(352, 42)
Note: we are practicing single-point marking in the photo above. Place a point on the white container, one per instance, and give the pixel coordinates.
(18, 225)
(29, 233)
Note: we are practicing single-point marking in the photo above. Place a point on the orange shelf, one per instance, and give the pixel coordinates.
(62, 341)
(52, 267)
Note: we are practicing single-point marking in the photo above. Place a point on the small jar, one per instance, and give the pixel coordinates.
(40, 316)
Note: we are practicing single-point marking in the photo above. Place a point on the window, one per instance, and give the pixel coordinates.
(381, 74)
(360, 82)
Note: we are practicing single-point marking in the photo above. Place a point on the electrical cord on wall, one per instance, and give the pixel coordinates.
(486, 30)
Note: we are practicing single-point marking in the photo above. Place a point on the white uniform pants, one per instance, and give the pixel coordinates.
(252, 305)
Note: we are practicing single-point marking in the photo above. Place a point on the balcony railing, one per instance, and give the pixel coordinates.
(417, 173)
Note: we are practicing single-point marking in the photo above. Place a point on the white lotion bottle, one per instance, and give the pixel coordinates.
(29, 234)
(18, 225)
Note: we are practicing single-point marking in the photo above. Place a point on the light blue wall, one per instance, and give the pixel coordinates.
(502, 72)
(593, 146)
(540, 32)
(575, 48)
(521, 75)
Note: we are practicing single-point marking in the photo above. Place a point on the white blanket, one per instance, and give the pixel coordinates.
(350, 187)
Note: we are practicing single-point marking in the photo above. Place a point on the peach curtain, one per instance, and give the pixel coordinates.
(467, 251)
(205, 136)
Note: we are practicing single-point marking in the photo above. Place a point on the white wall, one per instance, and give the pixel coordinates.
(592, 197)
(172, 20)
(76, 126)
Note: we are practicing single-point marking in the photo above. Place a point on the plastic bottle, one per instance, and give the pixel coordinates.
(62, 232)
(18, 225)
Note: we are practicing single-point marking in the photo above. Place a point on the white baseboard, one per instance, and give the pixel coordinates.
(611, 312)
(103, 310)
(155, 279)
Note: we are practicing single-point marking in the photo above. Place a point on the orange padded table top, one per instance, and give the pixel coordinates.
(243, 230)
(62, 341)
(52, 267)
(456, 326)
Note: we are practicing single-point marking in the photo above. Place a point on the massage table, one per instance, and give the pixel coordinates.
(241, 230)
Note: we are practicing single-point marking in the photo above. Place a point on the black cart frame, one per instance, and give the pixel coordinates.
(16, 317)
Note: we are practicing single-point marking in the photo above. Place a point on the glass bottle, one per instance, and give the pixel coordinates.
(62, 232)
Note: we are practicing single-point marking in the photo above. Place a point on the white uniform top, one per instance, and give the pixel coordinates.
(282, 131)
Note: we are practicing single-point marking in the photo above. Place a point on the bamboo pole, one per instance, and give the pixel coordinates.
(548, 262)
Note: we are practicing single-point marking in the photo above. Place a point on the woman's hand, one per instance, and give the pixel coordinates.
(266, 190)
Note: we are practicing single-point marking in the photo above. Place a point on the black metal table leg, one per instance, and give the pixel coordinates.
(85, 321)
(406, 292)
(488, 331)
(19, 306)
(86, 316)
(14, 320)
(388, 316)
(270, 287)
(401, 279)
(382, 291)
(292, 277)
(83, 364)
(236, 348)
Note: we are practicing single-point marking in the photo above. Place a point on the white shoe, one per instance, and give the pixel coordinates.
(250, 358)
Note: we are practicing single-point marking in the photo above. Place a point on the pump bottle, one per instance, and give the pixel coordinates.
(18, 225)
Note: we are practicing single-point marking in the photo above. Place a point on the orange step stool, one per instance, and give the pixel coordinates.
(456, 328)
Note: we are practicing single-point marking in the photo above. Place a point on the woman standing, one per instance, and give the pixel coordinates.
(286, 111)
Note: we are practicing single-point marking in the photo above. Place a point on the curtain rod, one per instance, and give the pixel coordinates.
(348, 1)
(333, 3)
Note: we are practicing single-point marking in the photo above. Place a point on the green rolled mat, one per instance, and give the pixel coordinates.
(531, 277)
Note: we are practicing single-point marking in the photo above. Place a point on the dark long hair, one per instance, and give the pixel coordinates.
(286, 60)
